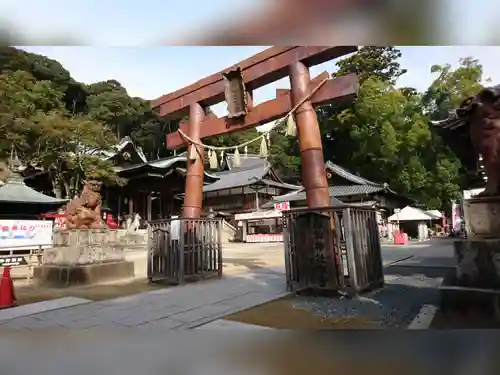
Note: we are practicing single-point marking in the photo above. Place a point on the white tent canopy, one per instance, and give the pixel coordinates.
(435, 213)
(411, 214)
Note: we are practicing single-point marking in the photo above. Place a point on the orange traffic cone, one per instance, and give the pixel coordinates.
(7, 296)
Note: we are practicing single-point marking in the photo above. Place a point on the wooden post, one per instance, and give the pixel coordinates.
(311, 150)
(193, 192)
(119, 207)
(130, 206)
(244, 230)
(149, 207)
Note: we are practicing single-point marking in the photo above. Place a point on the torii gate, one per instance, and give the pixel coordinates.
(235, 85)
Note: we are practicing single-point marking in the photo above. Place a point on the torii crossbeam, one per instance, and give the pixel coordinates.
(259, 70)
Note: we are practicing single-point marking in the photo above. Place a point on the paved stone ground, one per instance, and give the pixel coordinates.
(84, 351)
(185, 306)
(254, 275)
(39, 307)
(413, 274)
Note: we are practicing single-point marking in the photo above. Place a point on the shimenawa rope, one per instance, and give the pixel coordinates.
(261, 136)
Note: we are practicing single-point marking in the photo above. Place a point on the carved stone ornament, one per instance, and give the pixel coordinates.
(482, 113)
(84, 212)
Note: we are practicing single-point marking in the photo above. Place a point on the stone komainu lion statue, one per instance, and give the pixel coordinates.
(84, 212)
(482, 113)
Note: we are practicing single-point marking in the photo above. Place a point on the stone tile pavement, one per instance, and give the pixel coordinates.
(193, 305)
(180, 307)
(38, 307)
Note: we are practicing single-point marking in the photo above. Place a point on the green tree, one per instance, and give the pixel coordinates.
(384, 136)
(236, 138)
(151, 136)
(62, 125)
(44, 69)
(370, 62)
(36, 120)
(21, 97)
(451, 87)
(284, 153)
(444, 95)
(109, 103)
(365, 137)
(71, 148)
(116, 109)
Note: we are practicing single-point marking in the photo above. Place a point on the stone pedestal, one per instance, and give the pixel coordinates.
(478, 256)
(476, 276)
(85, 257)
(478, 262)
(482, 217)
(82, 274)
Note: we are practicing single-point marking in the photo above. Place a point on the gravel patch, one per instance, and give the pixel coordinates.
(394, 306)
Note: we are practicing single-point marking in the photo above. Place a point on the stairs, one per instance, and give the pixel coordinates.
(228, 232)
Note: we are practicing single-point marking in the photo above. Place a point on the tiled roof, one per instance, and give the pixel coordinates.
(450, 123)
(237, 178)
(334, 201)
(335, 191)
(281, 185)
(252, 169)
(162, 164)
(345, 191)
(15, 191)
(108, 154)
(344, 173)
(364, 204)
(453, 122)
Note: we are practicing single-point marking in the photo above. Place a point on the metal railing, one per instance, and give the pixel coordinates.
(22, 257)
(334, 248)
(184, 249)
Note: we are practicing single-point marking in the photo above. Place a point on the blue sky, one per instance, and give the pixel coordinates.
(149, 72)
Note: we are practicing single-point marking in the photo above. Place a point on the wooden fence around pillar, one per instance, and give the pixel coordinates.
(183, 249)
(333, 249)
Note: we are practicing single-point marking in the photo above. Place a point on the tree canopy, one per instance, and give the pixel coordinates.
(56, 123)
(385, 135)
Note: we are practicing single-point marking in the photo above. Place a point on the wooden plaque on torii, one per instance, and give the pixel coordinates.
(259, 70)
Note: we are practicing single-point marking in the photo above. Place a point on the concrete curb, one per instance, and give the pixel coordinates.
(424, 318)
(41, 307)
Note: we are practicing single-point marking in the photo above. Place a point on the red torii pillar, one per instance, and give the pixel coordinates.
(193, 190)
(257, 71)
(311, 150)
